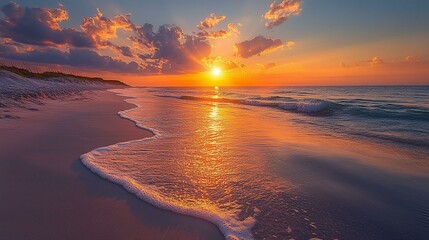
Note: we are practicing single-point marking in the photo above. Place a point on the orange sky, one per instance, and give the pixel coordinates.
(403, 73)
(293, 42)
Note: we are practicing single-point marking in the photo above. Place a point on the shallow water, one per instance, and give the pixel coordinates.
(339, 162)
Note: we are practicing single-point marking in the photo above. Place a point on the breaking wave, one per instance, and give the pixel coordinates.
(312, 107)
(320, 107)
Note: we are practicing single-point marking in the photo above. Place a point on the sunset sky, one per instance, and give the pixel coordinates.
(253, 42)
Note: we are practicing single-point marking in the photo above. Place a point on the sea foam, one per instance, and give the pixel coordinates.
(228, 224)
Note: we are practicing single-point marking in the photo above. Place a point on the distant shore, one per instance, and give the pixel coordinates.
(48, 194)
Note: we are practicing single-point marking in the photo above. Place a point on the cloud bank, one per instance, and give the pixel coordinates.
(84, 58)
(35, 35)
(167, 50)
(40, 26)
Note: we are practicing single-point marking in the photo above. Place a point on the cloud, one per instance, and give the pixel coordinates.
(412, 59)
(290, 44)
(124, 50)
(280, 12)
(214, 34)
(40, 26)
(257, 46)
(373, 62)
(376, 61)
(232, 29)
(102, 29)
(9, 41)
(379, 62)
(220, 62)
(7, 50)
(177, 52)
(75, 57)
(210, 21)
(85, 58)
(269, 65)
(48, 55)
(344, 65)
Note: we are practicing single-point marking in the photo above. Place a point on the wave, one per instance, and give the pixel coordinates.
(390, 112)
(320, 107)
(229, 225)
(416, 142)
(311, 107)
(293, 92)
(273, 98)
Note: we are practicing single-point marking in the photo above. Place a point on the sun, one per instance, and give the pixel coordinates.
(216, 71)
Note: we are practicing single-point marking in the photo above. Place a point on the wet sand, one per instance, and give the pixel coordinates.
(46, 192)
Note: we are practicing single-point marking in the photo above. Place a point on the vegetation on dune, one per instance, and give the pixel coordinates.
(48, 75)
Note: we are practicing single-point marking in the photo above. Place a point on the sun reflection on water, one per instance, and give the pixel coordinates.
(216, 92)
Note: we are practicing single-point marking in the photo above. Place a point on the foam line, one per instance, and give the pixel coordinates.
(228, 224)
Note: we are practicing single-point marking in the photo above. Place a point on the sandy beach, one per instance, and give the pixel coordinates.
(183, 120)
(46, 192)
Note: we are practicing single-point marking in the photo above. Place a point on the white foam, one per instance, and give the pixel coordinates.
(303, 107)
(310, 107)
(228, 224)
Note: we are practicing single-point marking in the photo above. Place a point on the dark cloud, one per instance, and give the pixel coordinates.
(48, 55)
(177, 52)
(85, 58)
(257, 46)
(7, 50)
(75, 57)
(280, 12)
(125, 50)
(40, 26)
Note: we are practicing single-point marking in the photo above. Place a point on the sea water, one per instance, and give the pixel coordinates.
(281, 162)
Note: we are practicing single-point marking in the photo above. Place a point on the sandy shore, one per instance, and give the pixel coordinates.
(46, 192)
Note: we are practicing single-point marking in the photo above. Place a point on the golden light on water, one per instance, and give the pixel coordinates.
(216, 92)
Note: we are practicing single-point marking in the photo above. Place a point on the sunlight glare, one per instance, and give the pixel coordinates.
(216, 72)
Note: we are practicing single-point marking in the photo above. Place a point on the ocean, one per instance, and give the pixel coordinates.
(281, 162)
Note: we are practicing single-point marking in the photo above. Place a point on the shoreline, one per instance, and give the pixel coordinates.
(54, 195)
(229, 227)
